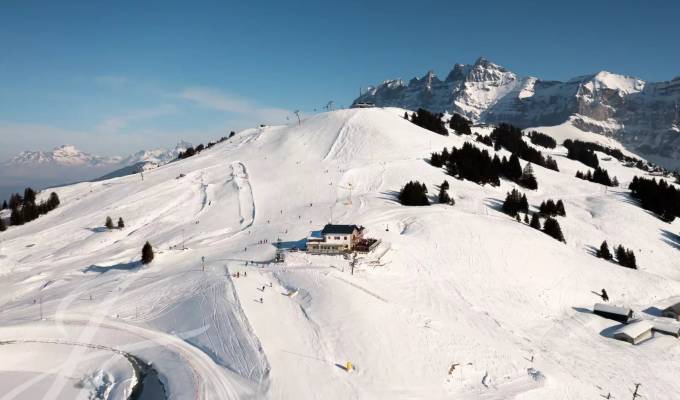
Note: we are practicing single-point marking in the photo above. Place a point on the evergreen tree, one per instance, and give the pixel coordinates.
(29, 195)
(518, 218)
(535, 221)
(16, 218)
(430, 121)
(4, 205)
(445, 185)
(147, 253)
(15, 201)
(526, 218)
(524, 204)
(414, 194)
(460, 124)
(630, 259)
(604, 252)
(559, 209)
(53, 202)
(443, 196)
(515, 202)
(3, 227)
(109, 223)
(552, 228)
(406, 115)
(550, 163)
(620, 252)
(121, 224)
(527, 179)
(514, 169)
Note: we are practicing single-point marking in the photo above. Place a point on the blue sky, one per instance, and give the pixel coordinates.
(113, 77)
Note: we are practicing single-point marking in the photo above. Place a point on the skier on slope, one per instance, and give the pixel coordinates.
(604, 295)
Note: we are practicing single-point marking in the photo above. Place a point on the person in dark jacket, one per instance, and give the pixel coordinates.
(605, 297)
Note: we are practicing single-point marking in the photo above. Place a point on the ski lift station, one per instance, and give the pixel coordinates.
(620, 314)
(635, 332)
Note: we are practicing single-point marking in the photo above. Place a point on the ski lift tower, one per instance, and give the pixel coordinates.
(350, 188)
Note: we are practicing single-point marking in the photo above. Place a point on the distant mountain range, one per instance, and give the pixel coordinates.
(70, 156)
(644, 116)
(67, 164)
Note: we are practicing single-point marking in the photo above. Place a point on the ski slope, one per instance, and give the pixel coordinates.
(463, 286)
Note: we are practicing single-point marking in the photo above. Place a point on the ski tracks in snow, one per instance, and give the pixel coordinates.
(245, 194)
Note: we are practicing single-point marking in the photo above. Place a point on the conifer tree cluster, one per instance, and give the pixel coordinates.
(430, 121)
(541, 139)
(109, 223)
(25, 209)
(625, 257)
(580, 151)
(460, 124)
(599, 175)
(191, 151)
(473, 164)
(510, 138)
(552, 228)
(443, 196)
(659, 197)
(515, 202)
(551, 208)
(578, 147)
(527, 179)
(414, 193)
(603, 252)
(485, 140)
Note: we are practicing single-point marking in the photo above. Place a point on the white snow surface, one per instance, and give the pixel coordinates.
(457, 301)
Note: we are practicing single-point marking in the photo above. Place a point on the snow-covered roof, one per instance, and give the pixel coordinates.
(666, 327)
(634, 329)
(674, 307)
(612, 309)
(315, 235)
(344, 229)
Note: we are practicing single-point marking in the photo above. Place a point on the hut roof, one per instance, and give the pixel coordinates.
(634, 329)
(674, 307)
(611, 309)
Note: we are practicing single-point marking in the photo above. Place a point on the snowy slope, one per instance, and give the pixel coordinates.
(463, 285)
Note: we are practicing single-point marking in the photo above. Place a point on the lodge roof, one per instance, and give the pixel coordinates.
(341, 229)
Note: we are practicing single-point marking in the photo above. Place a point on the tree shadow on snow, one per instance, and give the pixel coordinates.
(582, 310)
(119, 267)
(671, 238)
(654, 311)
(609, 332)
(592, 250)
(494, 203)
(390, 195)
(99, 229)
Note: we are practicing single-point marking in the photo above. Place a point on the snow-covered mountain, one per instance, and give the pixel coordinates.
(67, 164)
(644, 116)
(66, 155)
(70, 156)
(459, 301)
